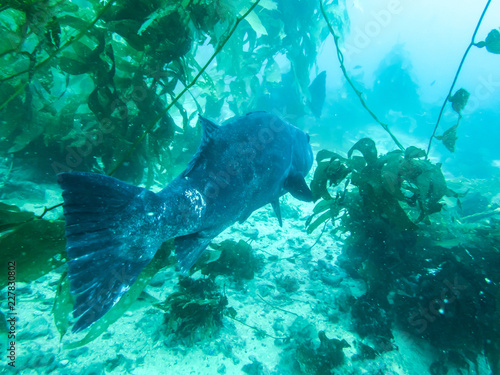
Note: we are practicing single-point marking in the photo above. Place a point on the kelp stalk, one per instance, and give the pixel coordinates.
(259, 331)
(276, 307)
(340, 56)
(45, 210)
(472, 43)
(70, 41)
(220, 46)
(310, 247)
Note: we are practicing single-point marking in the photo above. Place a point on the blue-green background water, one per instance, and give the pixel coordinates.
(406, 55)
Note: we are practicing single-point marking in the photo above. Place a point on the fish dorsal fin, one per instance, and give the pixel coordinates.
(209, 130)
(277, 210)
(297, 186)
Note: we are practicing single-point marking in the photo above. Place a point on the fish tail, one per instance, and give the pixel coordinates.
(111, 236)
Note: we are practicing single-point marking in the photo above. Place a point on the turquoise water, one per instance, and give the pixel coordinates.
(382, 258)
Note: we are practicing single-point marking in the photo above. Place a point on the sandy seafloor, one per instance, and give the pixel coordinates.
(137, 344)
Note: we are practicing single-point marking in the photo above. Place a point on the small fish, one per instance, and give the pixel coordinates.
(113, 229)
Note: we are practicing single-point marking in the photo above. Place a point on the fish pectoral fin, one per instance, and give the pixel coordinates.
(277, 210)
(189, 248)
(297, 186)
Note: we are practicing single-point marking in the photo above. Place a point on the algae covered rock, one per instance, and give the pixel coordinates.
(236, 259)
(321, 360)
(194, 312)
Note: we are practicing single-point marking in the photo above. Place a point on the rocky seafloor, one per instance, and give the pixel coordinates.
(294, 316)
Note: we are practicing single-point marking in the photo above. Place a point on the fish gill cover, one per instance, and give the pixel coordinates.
(115, 88)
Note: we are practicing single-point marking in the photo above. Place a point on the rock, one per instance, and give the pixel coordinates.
(151, 324)
(287, 283)
(221, 369)
(46, 359)
(35, 359)
(332, 280)
(210, 349)
(23, 288)
(302, 331)
(158, 280)
(255, 368)
(46, 306)
(278, 326)
(265, 289)
(119, 360)
(37, 327)
(273, 236)
(357, 287)
(251, 233)
(323, 265)
(93, 369)
(79, 352)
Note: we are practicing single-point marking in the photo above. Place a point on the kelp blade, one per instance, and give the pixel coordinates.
(36, 245)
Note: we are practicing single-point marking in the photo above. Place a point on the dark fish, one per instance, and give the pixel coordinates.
(317, 89)
(114, 229)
